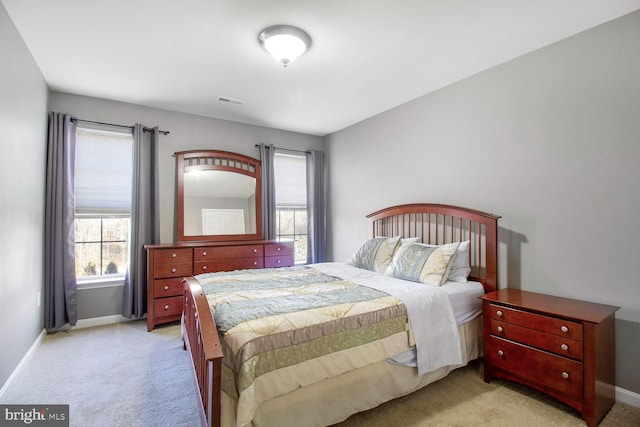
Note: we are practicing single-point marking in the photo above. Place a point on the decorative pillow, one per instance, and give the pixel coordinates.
(406, 241)
(460, 268)
(423, 263)
(375, 254)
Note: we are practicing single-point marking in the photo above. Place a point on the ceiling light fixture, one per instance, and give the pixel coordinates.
(285, 42)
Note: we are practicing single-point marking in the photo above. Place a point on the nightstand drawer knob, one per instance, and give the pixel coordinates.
(166, 306)
(173, 255)
(564, 347)
(565, 375)
(500, 353)
(204, 268)
(255, 262)
(499, 313)
(564, 329)
(255, 251)
(500, 329)
(204, 253)
(166, 287)
(278, 249)
(173, 270)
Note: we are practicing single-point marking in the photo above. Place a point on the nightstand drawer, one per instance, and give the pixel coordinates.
(553, 343)
(549, 325)
(559, 373)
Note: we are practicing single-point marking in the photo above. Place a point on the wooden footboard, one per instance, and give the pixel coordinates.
(202, 342)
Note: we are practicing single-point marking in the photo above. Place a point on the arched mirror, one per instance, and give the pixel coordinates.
(218, 196)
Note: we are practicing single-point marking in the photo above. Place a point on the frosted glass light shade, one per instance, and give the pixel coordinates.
(284, 42)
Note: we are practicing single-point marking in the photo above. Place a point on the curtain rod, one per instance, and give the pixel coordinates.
(146, 129)
(287, 149)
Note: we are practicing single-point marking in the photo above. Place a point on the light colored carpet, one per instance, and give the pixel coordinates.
(121, 375)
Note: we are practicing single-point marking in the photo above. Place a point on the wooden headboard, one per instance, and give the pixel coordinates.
(437, 224)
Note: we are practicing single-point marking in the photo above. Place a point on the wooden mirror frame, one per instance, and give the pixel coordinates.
(203, 160)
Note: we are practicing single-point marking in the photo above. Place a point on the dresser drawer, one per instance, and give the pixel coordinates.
(278, 261)
(549, 325)
(166, 256)
(167, 287)
(559, 373)
(278, 249)
(227, 252)
(170, 306)
(173, 270)
(553, 343)
(227, 265)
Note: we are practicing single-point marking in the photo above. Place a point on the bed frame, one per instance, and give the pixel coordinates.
(433, 223)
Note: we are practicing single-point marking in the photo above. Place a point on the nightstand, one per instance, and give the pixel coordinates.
(562, 347)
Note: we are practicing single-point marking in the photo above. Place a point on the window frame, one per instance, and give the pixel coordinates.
(295, 207)
(102, 280)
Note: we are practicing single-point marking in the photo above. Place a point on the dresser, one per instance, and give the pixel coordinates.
(167, 265)
(562, 347)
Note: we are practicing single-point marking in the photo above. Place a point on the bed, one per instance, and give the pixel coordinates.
(312, 345)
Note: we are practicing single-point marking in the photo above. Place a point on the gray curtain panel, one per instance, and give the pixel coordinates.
(145, 224)
(60, 305)
(316, 232)
(267, 154)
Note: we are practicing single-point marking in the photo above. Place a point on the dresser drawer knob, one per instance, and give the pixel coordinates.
(204, 253)
(564, 329)
(173, 270)
(255, 262)
(500, 353)
(173, 255)
(166, 306)
(204, 268)
(564, 347)
(500, 329)
(278, 261)
(565, 375)
(278, 249)
(166, 287)
(499, 313)
(255, 251)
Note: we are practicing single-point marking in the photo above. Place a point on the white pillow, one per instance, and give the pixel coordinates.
(460, 269)
(375, 254)
(423, 263)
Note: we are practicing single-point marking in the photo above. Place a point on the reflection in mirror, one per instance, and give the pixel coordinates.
(219, 203)
(218, 196)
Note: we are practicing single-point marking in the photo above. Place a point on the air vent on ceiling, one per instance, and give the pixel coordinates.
(230, 100)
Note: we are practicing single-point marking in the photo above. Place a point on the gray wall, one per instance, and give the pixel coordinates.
(23, 130)
(187, 132)
(550, 141)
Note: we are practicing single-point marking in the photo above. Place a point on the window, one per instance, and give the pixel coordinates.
(291, 201)
(103, 202)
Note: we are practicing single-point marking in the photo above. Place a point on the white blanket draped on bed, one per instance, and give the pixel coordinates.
(437, 342)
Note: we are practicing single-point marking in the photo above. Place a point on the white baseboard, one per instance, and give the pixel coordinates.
(628, 397)
(99, 321)
(24, 360)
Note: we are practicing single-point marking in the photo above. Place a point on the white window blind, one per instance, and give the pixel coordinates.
(290, 173)
(103, 172)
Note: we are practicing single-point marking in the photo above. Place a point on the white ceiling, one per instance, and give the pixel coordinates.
(367, 55)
